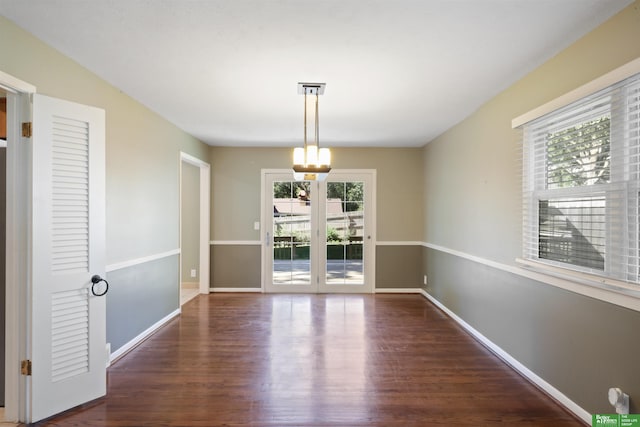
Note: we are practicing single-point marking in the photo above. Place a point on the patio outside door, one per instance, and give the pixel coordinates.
(318, 236)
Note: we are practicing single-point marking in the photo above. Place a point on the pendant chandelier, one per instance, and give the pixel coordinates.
(311, 163)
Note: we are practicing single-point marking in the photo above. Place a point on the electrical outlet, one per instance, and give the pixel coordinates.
(425, 279)
(256, 225)
(193, 272)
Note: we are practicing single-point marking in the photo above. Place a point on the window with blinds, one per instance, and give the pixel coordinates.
(582, 184)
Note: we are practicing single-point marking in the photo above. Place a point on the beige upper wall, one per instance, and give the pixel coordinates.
(142, 149)
(236, 176)
(472, 177)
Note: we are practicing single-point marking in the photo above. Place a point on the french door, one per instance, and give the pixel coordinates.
(319, 236)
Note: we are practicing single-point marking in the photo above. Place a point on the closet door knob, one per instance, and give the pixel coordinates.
(95, 280)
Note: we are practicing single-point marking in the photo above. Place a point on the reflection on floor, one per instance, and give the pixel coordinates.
(276, 360)
(187, 292)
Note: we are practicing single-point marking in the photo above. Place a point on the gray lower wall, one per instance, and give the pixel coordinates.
(398, 267)
(139, 296)
(557, 334)
(239, 266)
(235, 266)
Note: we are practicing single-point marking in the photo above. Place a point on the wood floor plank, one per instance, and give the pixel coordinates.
(314, 360)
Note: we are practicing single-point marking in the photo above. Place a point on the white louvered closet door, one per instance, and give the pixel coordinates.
(68, 339)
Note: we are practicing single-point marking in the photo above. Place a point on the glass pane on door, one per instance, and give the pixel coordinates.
(291, 233)
(345, 230)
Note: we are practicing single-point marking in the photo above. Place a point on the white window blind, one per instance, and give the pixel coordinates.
(581, 186)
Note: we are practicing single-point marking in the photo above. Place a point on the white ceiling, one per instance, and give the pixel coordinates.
(398, 72)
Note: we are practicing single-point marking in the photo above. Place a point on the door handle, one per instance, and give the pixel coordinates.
(267, 241)
(95, 279)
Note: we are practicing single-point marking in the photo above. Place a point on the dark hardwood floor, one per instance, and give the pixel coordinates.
(314, 360)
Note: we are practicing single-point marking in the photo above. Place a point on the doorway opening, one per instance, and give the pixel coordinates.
(189, 232)
(194, 227)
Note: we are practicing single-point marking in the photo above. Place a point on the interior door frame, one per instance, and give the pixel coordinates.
(205, 219)
(266, 216)
(19, 178)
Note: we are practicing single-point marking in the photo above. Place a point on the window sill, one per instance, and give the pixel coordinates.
(604, 289)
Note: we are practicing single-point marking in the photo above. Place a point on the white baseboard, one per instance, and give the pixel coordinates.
(259, 290)
(144, 335)
(515, 364)
(377, 290)
(397, 290)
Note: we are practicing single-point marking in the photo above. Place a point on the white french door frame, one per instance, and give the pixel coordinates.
(268, 175)
(368, 176)
(318, 240)
(19, 177)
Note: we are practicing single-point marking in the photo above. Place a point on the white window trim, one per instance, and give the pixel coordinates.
(581, 277)
(591, 285)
